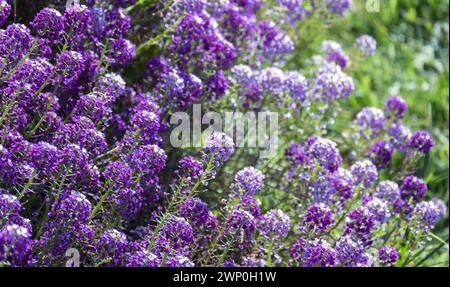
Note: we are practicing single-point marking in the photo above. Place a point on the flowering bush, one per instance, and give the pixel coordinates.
(86, 95)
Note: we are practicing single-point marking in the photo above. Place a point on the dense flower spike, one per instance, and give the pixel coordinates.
(413, 187)
(49, 23)
(364, 172)
(388, 190)
(326, 153)
(189, 169)
(381, 154)
(370, 121)
(421, 141)
(351, 252)
(399, 136)
(15, 245)
(359, 223)
(367, 44)
(5, 9)
(379, 208)
(218, 148)
(332, 83)
(388, 255)
(317, 217)
(248, 181)
(426, 214)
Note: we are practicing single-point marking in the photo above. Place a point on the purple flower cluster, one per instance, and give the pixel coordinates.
(5, 10)
(248, 181)
(388, 255)
(367, 44)
(421, 141)
(317, 217)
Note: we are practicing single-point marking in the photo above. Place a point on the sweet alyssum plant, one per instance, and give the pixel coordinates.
(85, 160)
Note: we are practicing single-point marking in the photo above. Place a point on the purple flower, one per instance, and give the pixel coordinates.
(388, 190)
(351, 252)
(273, 43)
(77, 19)
(112, 85)
(27, 79)
(272, 80)
(396, 107)
(118, 174)
(318, 253)
(413, 187)
(49, 23)
(178, 261)
(121, 51)
(15, 42)
(326, 153)
(117, 23)
(379, 208)
(241, 225)
(331, 83)
(339, 6)
(190, 169)
(83, 171)
(149, 161)
(296, 154)
(113, 245)
(317, 217)
(6, 163)
(298, 249)
(45, 158)
(175, 236)
(146, 120)
(421, 141)
(399, 136)
(297, 85)
(426, 214)
(95, 106)
(359, 223)
(5, 9)
(252, 261)
(367, 44)
(294, 9)
(143, 258)
(217, 85)
(250, 204)
(441, 206)
(196, 44)
(274, 225)
(339, 57)
(69, 67)
(83, 132)
(364, 172)
(10, 208)
(249, 180)
(388, 255)
(342, 182)
(219, 147)
(370, 121)
(381, 154)
(15, 245)
(72, 209)
(203, 221)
